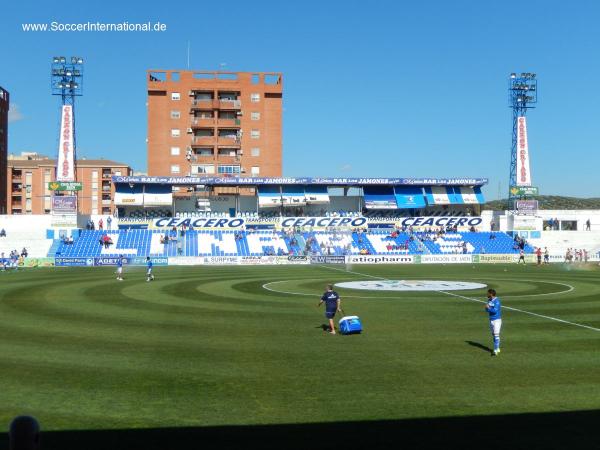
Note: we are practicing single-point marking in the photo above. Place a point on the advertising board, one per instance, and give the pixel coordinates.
(380, 259)
(446, 259)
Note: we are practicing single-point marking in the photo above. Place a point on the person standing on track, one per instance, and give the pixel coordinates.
(332, 304)
(493, 309)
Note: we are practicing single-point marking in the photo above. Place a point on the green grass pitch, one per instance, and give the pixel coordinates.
(209, 346)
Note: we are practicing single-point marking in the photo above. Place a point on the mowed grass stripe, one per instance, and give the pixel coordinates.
(209, 345)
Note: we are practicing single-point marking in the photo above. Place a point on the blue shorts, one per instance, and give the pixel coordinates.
(330, 314)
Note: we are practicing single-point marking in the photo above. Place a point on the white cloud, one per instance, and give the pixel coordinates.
(346, 168)
(14, 113)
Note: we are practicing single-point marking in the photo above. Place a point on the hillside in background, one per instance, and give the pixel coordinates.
(552, 202)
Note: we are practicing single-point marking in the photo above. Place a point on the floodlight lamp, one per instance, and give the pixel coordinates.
(79, 60)
(63, 60)
(69, 73)
(513, 75)
(75, 85)
(73, 60)
(77, 72)
(55, 59)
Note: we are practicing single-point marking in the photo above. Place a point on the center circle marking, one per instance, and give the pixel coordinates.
(411, 285)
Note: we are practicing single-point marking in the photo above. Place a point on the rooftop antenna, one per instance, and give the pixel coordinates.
(188, 55)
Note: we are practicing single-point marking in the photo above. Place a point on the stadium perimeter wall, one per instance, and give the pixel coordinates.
(301, 260)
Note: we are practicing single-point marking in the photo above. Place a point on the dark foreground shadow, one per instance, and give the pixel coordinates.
(568, 430)
(480, 346)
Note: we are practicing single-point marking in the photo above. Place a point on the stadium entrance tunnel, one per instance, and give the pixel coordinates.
(411, 285)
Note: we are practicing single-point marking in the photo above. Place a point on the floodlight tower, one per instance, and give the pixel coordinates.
(67, 81)
(522, 95)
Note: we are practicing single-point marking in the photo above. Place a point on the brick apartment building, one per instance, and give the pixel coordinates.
(4, 105)
(214, 123)
(28, 176)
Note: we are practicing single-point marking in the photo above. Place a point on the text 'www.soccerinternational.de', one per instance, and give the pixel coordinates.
(58, 27)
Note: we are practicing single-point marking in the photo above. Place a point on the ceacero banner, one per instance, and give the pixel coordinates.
(440, 221)
(523, 171)
(323, 222)
(65, 170)
(198, 222)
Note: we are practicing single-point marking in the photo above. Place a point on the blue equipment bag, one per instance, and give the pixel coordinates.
(350, 325)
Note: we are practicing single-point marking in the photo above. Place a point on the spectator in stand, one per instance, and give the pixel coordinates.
(2, 232)
(24, 252)
(538, 254)
(588, 225)
(108, 222)
(546, 256)
(100, 224)
(24, 433)
(101, 240)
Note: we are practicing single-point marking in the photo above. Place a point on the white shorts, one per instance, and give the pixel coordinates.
(149, 272)
(495, 326)
(119, 270)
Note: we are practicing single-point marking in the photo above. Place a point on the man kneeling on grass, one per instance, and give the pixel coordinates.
(332, 305)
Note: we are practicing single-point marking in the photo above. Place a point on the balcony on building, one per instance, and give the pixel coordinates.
(229, 155)
(17, 176)
(204, 136)
(106, 173)
(204, 152)
(229, 100)
(229, 137)
(203, 100)
(203, 119)
(229, 119)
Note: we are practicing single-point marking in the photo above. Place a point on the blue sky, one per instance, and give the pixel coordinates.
(383, 88)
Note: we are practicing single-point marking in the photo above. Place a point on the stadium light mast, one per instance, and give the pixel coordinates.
(66, 82)
(522, 96)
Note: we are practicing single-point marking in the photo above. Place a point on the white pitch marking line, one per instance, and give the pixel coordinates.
(266, 286)
(524, 312)
(483, 301)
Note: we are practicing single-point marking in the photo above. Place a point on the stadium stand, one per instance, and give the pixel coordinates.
(139, 242)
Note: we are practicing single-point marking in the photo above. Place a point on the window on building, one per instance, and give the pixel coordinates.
(255, 97)
(254, 115)
(175, 132)
(255, 151)
(255, 171)
(175, 114)
(94, 185)
(228, 169)
(117, 173)
(255, 134)
(94, 174)
(28, 205)
(175, 96)
(175, 168)
(175, 151)
(203, 168)
(204, 151)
